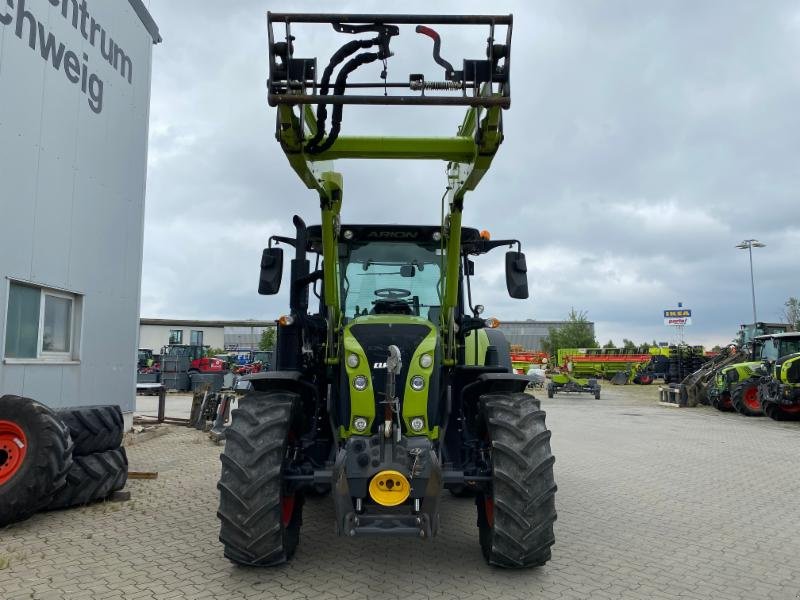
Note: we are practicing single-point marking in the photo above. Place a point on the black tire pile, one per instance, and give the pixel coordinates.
(51, 459)
(683, 361)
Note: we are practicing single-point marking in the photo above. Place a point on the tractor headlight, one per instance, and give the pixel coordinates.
(417, 424)
(352, 360)
(360, 424)
(425, 361)
(417, 383)
(360, 383)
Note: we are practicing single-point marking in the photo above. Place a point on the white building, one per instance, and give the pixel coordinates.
(229, 335)
(74, 111)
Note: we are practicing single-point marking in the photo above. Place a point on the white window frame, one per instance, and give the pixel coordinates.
(71, 357)
(49, 354)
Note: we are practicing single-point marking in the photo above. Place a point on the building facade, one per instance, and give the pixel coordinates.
(228, 335)
(74, 113)
(530, 334)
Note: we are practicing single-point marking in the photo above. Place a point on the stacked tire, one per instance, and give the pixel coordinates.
(57, 459)
(99, 463)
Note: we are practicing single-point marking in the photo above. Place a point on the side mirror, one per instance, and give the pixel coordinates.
(269, 281)
(407, 270)
(516, 275)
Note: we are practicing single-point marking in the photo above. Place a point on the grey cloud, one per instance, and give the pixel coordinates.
(644, 141)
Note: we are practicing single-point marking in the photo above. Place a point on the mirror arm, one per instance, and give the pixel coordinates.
(279, 239)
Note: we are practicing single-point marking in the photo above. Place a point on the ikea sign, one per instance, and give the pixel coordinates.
(678, 317)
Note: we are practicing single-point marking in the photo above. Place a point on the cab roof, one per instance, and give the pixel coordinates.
(784, 334)
(471, 240)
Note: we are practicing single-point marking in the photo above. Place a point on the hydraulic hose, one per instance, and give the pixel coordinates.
(341, 81)
(322, 110)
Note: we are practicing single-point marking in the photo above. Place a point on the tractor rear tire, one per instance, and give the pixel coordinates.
(744, 400)
(35, 455)
(515, 519)
(260, 522)
(778, 412)
(93, 428)
(91, 478)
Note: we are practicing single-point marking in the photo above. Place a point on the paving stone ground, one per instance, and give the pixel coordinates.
(653, 502)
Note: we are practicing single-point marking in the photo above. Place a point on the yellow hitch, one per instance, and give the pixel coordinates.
(389, 488)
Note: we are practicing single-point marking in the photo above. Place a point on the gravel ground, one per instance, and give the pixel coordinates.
(653, 502)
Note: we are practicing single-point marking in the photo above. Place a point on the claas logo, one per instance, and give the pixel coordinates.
(677, 314)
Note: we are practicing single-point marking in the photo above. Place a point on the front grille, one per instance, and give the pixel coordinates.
(375, 339)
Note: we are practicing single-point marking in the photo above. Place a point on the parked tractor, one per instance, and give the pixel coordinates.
(194, 358)
(393, 386)
(779, 389)
(736, 386)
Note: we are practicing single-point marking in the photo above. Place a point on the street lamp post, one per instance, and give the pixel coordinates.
(749, 245)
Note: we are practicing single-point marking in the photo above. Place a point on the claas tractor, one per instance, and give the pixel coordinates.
(388, 386)
(737, 386)
(779, 389)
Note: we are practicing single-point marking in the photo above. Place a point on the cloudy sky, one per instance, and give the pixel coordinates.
(645, 140)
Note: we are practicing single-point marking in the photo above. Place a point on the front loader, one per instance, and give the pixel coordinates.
(389, 385)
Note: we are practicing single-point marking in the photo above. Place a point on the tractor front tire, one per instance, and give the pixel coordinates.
(744, 399)
(260, 521)
(35, 456)
(551, 391)
(515, 518)
(780, 412)
(722, 402)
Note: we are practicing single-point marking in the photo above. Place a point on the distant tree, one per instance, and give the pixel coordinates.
(791, 312)
(717, 348)
(609, 344)
(215, 351)
(629, 346)
(575, 333)
(267, 341)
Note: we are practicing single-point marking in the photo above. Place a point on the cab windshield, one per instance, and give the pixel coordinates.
(775, 348)
(390, 277)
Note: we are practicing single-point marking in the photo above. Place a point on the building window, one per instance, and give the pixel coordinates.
(41, 323)
(197, 338)
(175, 336)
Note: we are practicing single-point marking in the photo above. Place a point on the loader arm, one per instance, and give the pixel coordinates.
(483, 86)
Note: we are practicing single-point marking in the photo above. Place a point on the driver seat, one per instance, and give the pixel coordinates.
(391, 307)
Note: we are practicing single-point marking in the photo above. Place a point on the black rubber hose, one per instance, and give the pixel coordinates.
(341, 80)
(322, 110)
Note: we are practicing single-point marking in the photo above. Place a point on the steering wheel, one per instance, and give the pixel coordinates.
(392, 293)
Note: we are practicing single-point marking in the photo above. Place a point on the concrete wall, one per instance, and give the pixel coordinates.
(156, 336)
(72, 188)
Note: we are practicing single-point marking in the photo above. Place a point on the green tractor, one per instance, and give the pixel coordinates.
(736, 386)
(392, 387)
(779, 389)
